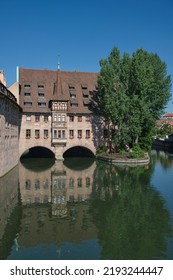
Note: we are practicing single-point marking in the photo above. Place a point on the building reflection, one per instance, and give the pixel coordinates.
(8, 197)
(56, 185)
(60, 205)
(9, 210)
(55, 205)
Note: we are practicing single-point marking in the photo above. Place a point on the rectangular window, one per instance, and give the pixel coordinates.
(37, 133)
(63, 118)
(63, 134)
(63, 183)
(55, 117)
(59, 133)
(45, 118)
(59, 118)
(59, 183)
(71, 183)
(28, 117)
(79, 182)
(79, 133)
(55, 134)
(37, 184)
(27, 94)
(87, 133)
(28, 133)
(88, 119)
(37, 118)
(28, 184)
(88, 182)
(71, 118)
(79, 118)
(46, 133)
(71, 133)
(46, 184)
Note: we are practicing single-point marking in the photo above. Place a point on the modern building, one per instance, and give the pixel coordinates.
(57, 111)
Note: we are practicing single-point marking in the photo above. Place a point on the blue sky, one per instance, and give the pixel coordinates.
(35, 32)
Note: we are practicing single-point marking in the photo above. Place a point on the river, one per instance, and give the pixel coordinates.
(85, 209)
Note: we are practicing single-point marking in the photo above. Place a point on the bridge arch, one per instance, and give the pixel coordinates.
(38, 152)
(78, 151)
(58, 151)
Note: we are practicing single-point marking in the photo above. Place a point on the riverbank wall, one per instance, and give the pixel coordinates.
(125, 161)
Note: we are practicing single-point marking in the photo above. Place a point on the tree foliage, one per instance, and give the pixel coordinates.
(133, 92)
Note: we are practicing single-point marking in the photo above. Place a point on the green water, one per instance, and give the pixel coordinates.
(84, 209)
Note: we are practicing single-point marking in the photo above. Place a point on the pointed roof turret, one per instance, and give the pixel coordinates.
(58, 92)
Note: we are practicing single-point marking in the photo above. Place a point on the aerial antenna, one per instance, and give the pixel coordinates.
(58, 62)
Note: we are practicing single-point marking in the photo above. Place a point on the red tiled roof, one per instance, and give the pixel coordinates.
(57, 86)
(160, 122)
(168, 115)
(58, 93)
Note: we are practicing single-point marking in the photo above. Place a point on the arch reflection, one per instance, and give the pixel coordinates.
(55, 205)
(101, 212)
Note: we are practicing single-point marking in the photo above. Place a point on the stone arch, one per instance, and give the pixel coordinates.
(37, 151)
(78, 150)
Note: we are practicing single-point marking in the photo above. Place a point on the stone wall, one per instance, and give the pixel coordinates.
(59, 146)
(9, 130)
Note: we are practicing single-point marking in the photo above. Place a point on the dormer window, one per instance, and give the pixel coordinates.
(27, 93)
(27, 86)
(40, 86)
(85, 94)
(71, 87)
(41, 94)
(42, 104)
(74, 105)
(84, 87)
(28, 104)
(86, 102)
(72, 95)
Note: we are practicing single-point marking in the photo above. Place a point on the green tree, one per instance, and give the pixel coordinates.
(112, 97)
(133, 92)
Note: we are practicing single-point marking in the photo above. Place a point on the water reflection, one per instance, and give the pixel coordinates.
(10, 211)
(164, 158)
(55, 206)
(131, 217)
(83, 209)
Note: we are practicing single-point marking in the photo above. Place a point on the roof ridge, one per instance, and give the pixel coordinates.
(64, 71)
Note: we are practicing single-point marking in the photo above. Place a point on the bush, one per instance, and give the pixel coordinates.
(101, 150)
(137, 152)
(146, 142)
